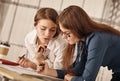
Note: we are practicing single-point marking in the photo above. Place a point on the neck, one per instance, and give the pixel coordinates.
(82, 39)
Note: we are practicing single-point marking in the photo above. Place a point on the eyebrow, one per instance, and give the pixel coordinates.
(46, 27)
(66, 32)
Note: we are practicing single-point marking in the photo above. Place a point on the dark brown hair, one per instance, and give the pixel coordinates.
(76, 19)
(47, 13)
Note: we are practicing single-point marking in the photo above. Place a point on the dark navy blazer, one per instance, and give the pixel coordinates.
(101, 49)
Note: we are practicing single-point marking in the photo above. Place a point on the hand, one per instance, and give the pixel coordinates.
(43, 69)
(68, 77)
(47, 71)
(26, 63)
(40, 67)
(39, 54)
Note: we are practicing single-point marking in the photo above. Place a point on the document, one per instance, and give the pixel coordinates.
(30, 72)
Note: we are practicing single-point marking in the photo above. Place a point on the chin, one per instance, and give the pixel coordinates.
(70, 43)
(46, 41)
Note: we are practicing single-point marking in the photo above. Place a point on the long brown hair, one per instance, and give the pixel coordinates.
(47, 13)
(68, 57)
(76, 19)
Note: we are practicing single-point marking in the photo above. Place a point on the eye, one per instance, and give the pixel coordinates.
(43, 28)
(53, 30)
(67, 34)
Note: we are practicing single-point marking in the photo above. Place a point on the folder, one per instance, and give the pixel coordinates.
(7, 62)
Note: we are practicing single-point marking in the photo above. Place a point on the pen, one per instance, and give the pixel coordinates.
(22, 56)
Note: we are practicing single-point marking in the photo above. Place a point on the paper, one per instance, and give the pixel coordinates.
(28, 71)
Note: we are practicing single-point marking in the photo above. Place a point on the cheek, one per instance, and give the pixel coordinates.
(39, 32)
(72, 40)
(69, 39)
(53, 34)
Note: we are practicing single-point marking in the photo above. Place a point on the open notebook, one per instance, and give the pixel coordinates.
(30, 72)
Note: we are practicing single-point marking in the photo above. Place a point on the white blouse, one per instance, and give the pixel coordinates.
(55, 48)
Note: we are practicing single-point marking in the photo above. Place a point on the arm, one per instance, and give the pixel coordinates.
(30, 46)
(57, 61)
(55, 55)
(58, 56)
(46, 70)
(49, 71)
(27, 62)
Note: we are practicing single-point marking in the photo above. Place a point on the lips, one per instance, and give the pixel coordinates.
(47, 39)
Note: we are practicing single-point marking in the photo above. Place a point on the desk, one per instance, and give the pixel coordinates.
(11, 75)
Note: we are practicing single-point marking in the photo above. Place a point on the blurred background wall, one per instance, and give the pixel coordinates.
(16, 19)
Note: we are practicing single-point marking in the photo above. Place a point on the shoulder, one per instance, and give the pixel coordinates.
(98, 39)
(99, 36)
(31, 33)
(57, 42)
(31, 36)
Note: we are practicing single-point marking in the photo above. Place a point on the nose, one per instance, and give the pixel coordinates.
(47, 33)
(64, 36)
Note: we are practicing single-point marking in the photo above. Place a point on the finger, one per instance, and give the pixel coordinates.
(20, 60)
(39, 68)
(42, 48)
(66, 77)
(46, 64)
(23, 62)
(46, 67)
(43, 63)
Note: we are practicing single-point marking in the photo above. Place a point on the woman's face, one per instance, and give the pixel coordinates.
(46, 29)
(70, 37)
